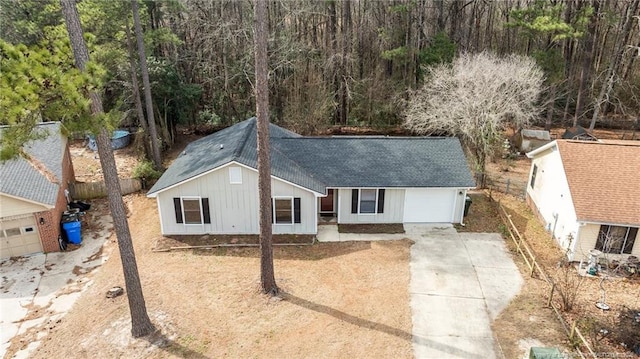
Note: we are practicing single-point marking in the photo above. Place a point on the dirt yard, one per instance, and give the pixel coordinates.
(339, 300)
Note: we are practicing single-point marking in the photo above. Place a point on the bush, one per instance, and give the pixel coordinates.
(144, 170)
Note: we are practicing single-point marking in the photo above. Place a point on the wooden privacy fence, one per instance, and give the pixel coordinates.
(524, 249)
(89, 190)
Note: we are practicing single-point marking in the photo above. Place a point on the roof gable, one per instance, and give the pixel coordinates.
(316, 163)
(604, 180)
(36, 179)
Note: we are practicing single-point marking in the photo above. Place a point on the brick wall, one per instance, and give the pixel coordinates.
(50, 230)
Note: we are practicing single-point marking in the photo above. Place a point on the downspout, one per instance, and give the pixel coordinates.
(464, 203)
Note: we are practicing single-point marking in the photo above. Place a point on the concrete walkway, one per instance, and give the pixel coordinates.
(460, 282)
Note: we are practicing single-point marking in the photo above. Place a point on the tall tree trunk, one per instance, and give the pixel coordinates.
(144, 71)
(585, 71)
(607, 87)
(267, 278)
(140, 322)
(344, 64)
(135, 88)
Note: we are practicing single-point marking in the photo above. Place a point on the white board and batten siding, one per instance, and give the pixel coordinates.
(433, 205)
(233, 207)
(409, 205)
(392, 211)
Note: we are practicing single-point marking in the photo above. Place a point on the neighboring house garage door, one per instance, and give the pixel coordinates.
(19, 236)
(429, 205)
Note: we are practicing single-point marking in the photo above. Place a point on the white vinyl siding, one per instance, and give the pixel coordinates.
(551, 196)
(10, 206)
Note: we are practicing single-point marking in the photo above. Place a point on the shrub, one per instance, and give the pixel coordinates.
(144, 170)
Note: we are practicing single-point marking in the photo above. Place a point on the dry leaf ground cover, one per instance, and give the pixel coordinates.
(339, 300)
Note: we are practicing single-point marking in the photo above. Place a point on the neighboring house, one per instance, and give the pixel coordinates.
(32, 194)
(528, 140)
(588, 195)
(578, 133)
(212, 186)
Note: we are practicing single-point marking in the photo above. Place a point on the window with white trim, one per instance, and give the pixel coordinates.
(283, 210)
(235, 175)
(616, 239)
(286, 210)
(534, 172)
(367, 201)
(191, 210)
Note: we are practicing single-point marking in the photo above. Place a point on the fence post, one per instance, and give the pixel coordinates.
(533, 266)
(508, 185)
(573, 331)
(553, 288)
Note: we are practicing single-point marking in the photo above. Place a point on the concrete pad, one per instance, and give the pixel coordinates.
(459, 284)
(328, 233)
(489, 253)
(434, 229)
(453, 281)
(499, 286)
(53, 281)
(20, 279)
(446, 347)
(439, 253)
(435, 315)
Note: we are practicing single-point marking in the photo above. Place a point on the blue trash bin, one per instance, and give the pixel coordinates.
(72, 229)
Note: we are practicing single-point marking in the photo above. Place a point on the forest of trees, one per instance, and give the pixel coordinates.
(351, 62)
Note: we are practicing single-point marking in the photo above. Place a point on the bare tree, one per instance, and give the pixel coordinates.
(267, 278)
(140, 322)
(610, 77)
(475, 99)
(144, 71)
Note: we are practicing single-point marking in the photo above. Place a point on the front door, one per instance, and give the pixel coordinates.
(326, 203)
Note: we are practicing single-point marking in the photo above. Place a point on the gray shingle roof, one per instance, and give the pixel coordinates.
(19, 178)
(316, 163)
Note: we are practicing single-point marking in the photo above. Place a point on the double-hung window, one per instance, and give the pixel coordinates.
(191, 210)
(286, 210)
(616, 239)
(367, 201)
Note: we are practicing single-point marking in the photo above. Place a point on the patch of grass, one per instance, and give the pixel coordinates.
(483, 215)
(390, 228)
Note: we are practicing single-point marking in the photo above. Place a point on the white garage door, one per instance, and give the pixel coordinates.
(429, 205)
(19, 237)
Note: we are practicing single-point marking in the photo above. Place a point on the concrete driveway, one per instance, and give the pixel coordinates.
(460, 282)
(40, 289)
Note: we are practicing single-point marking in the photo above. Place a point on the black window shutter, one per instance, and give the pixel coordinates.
(296, 210)
(205, 210)
(272, 213)
(177, 205)
(631, 238)
(354, 201)
(381, 201)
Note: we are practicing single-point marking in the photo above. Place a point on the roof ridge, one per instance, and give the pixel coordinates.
(301, 168)
(245, 138)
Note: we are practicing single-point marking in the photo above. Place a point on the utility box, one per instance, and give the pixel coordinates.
(545, 353)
